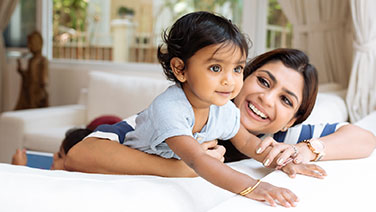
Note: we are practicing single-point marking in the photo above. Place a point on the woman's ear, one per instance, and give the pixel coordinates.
(289, 124)
(177, 67)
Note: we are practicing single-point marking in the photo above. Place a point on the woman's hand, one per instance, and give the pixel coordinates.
(312, 170)
(273, 195)
(282, 150)
(213, 149)
(19, 158)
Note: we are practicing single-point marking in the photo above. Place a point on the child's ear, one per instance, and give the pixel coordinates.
(177, 66)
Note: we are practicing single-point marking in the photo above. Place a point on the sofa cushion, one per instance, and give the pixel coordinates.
(45, 140)
(114, 94)
(329, 108)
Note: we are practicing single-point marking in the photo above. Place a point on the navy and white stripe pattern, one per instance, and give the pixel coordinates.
(302, 132)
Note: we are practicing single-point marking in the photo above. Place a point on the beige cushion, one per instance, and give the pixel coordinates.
(114, 94)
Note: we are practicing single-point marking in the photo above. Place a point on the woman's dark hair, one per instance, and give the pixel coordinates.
(73, 136)
(193, 32)
(299, 61)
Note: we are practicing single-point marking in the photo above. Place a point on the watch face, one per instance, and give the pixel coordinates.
(317, 145)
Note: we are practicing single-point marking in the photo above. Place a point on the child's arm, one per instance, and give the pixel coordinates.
(225, 177)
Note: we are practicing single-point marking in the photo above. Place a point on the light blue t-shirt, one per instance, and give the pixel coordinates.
(171, 114)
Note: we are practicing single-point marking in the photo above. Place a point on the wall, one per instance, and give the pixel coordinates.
(67, 78)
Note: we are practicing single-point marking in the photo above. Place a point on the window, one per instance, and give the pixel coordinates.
(278, 28)
(123, 30)
(22, 22)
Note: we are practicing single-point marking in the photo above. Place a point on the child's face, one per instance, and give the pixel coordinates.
(214, 75)
(58, 162)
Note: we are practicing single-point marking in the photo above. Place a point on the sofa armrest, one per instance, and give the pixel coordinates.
(14, 124)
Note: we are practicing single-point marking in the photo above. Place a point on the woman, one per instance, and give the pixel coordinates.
(279, 92)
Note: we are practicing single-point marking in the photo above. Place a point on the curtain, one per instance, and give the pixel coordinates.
(361, 94)
(6, 10)
(321, 28)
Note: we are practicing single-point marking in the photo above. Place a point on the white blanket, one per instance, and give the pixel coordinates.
(349, 186)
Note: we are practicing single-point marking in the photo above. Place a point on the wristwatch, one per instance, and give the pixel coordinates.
(317, 147)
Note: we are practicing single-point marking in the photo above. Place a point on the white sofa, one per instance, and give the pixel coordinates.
(112, 94)
(29, 189)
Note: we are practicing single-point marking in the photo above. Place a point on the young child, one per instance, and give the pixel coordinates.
(205, 55)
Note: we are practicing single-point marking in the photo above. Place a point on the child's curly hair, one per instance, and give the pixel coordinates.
(193, 32)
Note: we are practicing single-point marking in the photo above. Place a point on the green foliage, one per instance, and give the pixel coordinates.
(70, 14)
(125, 11)
(204, 5)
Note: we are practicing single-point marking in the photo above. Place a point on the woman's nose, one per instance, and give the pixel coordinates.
(268, 98)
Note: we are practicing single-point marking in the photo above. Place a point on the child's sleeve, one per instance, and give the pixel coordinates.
(170, 119)
(229, 118)
(115, 132)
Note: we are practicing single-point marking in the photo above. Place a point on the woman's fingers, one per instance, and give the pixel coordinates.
(313, 171)
(289, 170)
(289, 152)
(209, 144)
(268, 141)
(216, 151)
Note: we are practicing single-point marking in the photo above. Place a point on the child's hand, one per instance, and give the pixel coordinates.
(274, 195)
(19, 158)
(312, 170)
(213, 149)
(282, 150)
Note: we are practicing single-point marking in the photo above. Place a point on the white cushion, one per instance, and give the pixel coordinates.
(113, 94)
(46, 140)
(368, 123)
(329, 108)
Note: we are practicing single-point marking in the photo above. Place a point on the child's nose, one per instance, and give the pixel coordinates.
(227, 80)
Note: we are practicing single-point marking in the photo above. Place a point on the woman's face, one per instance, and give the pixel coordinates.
(270, 98)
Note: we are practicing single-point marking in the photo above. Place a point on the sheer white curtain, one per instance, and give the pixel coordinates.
(361, 94)
(321, 29)
(6, 10)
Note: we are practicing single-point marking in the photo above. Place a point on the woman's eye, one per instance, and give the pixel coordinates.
(286, 101)
(238, 69)
(263, 82)
(215, 68)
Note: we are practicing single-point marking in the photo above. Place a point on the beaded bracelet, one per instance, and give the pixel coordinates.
(250, 188)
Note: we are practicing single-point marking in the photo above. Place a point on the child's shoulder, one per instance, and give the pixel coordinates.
(172, 97)
(171, 94)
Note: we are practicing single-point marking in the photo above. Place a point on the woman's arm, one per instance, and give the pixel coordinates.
(95, 155)
(248, 144)
(348, 142)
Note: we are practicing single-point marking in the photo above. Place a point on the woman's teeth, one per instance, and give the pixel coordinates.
(256, 111)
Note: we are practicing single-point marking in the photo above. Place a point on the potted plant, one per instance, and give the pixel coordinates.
(125, 12)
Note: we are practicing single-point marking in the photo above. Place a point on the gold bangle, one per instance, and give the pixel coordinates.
(250, 188)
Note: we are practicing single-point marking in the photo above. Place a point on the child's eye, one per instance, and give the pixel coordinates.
(215, 68)
(286, 101)
(263, 82)
(238, 69)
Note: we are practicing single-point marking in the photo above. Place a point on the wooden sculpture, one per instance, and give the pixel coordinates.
(33, 93)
